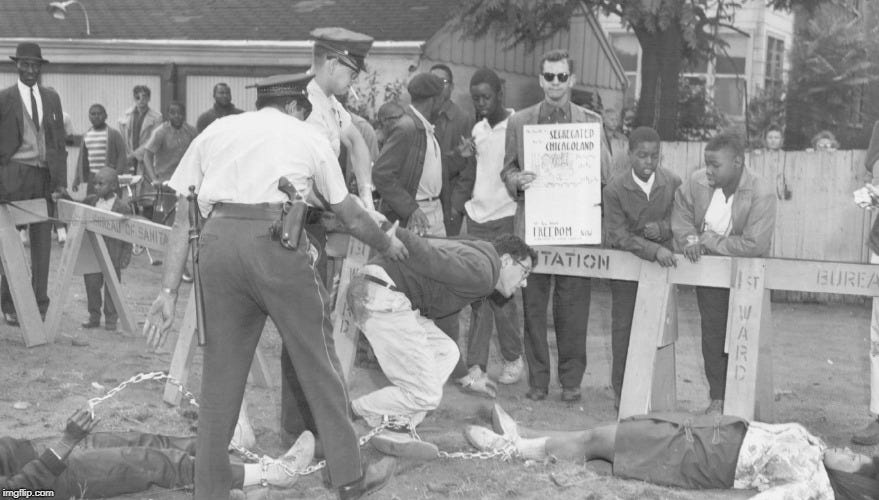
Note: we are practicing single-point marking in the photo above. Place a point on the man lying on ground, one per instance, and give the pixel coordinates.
(395, 304)
(782, 461)
(117, 463)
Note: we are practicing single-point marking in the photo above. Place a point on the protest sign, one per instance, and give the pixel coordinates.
(563, 204)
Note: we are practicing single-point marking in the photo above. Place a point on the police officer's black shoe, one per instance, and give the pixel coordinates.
(376, 477)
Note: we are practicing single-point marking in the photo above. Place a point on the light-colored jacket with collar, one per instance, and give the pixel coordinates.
(152, 120)
(753, 216)
(515, 152)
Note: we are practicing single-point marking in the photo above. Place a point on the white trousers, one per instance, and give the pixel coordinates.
(415, 355)
(874, 350)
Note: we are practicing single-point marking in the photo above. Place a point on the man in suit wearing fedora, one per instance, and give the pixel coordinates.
(572, 293)
(33, 160)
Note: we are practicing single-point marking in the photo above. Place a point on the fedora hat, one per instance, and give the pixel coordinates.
(28, 50)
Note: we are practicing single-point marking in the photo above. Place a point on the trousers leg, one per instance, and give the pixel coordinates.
(452, 328)
(110, 472)
(874, 350)
(412, 353)
(41, 247)
(110, 314)
(479, 338)
(623, 295)
(713, 309)
(535, 300)
(234, 324)
(297, 301)
(138, 439)
(94, 282)
(296, 415)
(570, 309)
(506, 321)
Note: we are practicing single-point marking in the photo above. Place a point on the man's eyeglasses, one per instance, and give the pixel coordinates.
(562, 77)
(526, 271)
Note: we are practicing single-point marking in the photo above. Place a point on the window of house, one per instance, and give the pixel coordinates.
(774, 63)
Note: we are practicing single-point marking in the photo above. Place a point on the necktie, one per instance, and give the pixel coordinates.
(35, 113)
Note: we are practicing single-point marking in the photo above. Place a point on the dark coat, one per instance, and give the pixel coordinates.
(442, 276)
(12, 115)
(21, 468)
(120, 251)
(397, 171)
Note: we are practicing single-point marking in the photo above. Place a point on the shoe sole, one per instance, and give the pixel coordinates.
(416, 450)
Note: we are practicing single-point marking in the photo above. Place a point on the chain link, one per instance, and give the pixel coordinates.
(506, 453)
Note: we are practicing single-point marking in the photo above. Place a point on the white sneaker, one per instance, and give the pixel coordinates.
(281, 472)
(512, 371)
(484, 439)
(62, 234)
(476, 382)
(502, 423)
(25, 240)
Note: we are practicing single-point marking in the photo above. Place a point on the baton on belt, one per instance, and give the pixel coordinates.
(194, 231)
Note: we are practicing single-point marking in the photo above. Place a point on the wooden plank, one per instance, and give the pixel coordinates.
(122, 227)
(823, 277)
(748, 297)
(28, 211)
(345, 332)
(17, 271)
(184, 351)
(664, 393)
(648, 328)
(588, 261)
(64, 274)
(126, 319)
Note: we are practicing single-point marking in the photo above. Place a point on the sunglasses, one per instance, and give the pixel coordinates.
(562, 77)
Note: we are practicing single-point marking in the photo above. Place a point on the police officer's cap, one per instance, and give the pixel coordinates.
(349, 46)
(286, 85)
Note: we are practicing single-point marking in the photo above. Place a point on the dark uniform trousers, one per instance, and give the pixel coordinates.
(713, 309)
(23, 182)
(246, 277)
(570, 311)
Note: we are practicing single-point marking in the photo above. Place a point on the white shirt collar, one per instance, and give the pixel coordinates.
(427, 124)
(645, 186)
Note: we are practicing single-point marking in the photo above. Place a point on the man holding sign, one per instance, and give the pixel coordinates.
(567, 171)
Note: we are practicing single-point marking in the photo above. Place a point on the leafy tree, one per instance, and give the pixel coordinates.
(832, 60)
(671, 33)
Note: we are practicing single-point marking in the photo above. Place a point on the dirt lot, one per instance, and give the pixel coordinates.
(820, 370)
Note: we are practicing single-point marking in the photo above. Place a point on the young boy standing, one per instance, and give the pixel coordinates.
(105, 185)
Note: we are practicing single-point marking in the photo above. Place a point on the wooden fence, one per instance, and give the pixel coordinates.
(816, 218)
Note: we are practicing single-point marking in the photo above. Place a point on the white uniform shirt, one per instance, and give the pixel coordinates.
(240, 158)
(25, 92)
(718, 216)
(431, 182)
(491, 200)
(328, 115)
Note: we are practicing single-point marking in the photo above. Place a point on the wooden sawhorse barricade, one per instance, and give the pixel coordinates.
(649, 381)
(86, 252)
(17, 271)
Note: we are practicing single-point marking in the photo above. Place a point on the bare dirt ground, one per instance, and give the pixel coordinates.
(820, 370)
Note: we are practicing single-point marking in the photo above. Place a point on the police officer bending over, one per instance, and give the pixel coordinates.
(247, 275)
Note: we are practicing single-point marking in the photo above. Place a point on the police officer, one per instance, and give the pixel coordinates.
(337, 58)
(235, 166)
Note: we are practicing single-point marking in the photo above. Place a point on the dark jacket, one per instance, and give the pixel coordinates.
(120, 251)
(453, 125)
(213, 114)
(441, 276)
(116, 155)
(397, 171)
(21, 468)
(52, 123)
(753, 216)
(627, 210)
(514, 156)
